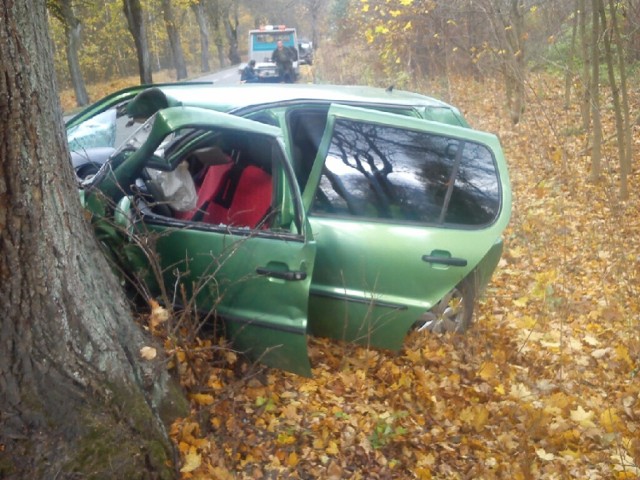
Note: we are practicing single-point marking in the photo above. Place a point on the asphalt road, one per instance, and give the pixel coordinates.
(228, 76)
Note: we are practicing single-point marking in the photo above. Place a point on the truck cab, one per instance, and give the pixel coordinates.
(262, 43)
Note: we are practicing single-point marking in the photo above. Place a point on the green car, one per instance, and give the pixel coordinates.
(348, 212)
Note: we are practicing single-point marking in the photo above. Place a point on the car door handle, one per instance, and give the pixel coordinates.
(448, 261)
(289, 275)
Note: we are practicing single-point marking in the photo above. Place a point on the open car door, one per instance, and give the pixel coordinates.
(403, 210)
(242, 246)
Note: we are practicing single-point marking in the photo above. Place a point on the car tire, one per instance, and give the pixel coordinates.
(86, 171)
(454, 312)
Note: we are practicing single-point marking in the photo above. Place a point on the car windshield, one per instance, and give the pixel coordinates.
(98, 131)
(110, 128)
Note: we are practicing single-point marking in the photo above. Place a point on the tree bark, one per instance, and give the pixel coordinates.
(76, 400)
(135, 22)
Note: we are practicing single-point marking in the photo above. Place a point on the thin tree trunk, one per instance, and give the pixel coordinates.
(585, 106)
(625, 163)
(594, 95)
(615, 95)
(75, 397)
(568, 78)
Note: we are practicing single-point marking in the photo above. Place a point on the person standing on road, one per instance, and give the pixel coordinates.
(249, 73)
(283, 58)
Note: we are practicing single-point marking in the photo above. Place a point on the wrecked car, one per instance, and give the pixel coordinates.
(352, 213)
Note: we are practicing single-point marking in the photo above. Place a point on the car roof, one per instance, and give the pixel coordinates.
(231, 98)
(236, 97)
(242, 95)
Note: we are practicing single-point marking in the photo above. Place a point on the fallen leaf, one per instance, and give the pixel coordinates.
(148, 353)
(600, 352)
(192, 460)
(202, 398)
(582, 417)
(544, 455)
(610, 420)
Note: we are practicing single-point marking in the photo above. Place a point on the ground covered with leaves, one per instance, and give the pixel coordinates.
(545, 385)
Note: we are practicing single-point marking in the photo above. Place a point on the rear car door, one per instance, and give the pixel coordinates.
(402, 210)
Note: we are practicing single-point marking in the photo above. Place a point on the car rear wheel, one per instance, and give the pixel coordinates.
(454, 312)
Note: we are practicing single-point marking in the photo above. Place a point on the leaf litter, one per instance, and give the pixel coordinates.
(545, 387)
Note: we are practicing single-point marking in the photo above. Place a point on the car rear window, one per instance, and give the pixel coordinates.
(380, 172)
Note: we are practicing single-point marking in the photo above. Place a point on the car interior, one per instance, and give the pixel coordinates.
(231, 175)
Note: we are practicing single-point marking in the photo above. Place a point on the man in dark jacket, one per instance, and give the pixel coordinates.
(283, 57)
(249, 73)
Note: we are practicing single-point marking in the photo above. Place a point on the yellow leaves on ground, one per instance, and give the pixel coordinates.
(546, 385)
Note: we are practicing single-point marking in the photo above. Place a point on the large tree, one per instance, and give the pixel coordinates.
(76, 399)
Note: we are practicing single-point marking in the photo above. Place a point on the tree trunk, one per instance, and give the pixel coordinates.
(569, 73)
(174, 40)
(203, 26)
(508, 30)
(231, 22)
(76, 401)
(594, 95)
(615, 96)
(625, 163)
(135, 22)
(214, 16)
(72, 28)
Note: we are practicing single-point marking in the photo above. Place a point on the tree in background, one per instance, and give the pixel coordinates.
(616, 72)
(174, 40)
(63, 11)
(76, 398)
(135, 21)
(199, 11)
(231, 23)
(214, 11)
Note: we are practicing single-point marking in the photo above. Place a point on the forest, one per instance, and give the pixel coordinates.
(546, 385)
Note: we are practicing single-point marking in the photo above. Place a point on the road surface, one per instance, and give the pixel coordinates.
(228, 76)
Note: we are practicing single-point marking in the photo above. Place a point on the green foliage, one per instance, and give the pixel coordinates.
(387, 429)
(107, 49)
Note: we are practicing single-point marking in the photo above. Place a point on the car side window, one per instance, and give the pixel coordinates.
(380, 172)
